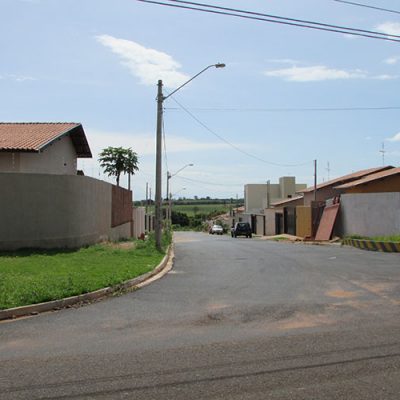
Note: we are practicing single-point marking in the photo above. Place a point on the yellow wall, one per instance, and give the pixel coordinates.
(303, 221)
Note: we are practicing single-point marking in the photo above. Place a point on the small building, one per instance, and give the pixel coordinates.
(370, 206)
(258, 196)
(383, 181)
(42, 148)
(44, 202)
(327, 190)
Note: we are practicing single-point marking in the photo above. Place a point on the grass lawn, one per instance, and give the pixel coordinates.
(33, 276)
(392, 238)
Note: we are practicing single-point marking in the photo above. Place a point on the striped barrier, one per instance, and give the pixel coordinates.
(372, 245)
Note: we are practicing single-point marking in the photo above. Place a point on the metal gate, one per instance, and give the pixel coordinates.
(289, 220)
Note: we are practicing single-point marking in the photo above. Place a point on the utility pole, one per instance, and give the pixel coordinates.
(328, 168)
(383, 151)
(147, 197)
(158, 199)
(268, 193)
(158, 196)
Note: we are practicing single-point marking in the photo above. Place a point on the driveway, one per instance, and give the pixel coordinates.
(234, 319)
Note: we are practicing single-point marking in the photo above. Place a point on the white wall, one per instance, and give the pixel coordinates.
(59, 158)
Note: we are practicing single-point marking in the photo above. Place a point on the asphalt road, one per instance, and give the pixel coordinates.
(234, 319)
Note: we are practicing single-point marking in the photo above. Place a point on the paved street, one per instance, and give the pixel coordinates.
(234, 319)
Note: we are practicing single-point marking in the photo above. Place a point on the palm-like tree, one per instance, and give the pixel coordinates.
(117, 160)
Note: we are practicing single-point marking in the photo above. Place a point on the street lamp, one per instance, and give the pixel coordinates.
(158, 197)
(169, 176)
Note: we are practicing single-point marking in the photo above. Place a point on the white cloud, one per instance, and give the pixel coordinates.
(390, 28)
(392, 60)
(315, 73)
(144, 143)
(18, 78)
(284, 61)
(149, 65)
(395, 138)
(384, 77)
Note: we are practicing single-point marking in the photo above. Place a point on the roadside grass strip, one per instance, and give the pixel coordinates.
(36, 276)
(373, 245)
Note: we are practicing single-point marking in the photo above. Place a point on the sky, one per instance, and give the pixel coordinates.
(287, 96)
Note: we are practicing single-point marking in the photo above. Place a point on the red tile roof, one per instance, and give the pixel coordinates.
(346, 178)
(35, 137)
(370, 178)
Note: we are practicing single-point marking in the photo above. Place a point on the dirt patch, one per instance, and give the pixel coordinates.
(341, 294)
(121, 245)
(302, 320)
(378, 288)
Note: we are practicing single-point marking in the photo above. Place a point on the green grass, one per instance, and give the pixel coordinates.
(280, 239)
(390, 238)
(29, 277)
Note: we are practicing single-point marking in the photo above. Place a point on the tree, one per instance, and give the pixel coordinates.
(117, 160)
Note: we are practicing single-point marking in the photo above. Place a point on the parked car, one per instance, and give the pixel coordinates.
(217, 229)
(241, 229)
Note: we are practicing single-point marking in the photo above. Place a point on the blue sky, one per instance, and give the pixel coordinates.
(97, 62)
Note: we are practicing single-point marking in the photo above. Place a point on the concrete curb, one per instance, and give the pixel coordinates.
(372, 245)
(34, 309)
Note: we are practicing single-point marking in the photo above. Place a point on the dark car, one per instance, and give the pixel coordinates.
(241, 229)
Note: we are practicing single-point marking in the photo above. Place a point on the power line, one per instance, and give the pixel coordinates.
(210, 183)
(231, 144)
(283, 110)
(353, 3)
(276, 19)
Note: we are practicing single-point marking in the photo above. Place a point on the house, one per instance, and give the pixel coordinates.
(259, 196)
(370, 206)
(43, 148)
(326, 190)
(44, 202)
(383, 181)
(277, 218)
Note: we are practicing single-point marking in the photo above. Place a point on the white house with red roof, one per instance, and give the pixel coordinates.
(44, 148)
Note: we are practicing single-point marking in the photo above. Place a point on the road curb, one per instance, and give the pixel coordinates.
(372, 245)
(33, 309)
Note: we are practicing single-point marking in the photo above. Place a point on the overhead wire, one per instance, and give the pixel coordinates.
(210, 183)
(312, 109)
(353, 3)
(275, 19)
(233, 145)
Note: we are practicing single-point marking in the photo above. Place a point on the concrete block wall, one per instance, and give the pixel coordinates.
(55, 211)
(369, 214)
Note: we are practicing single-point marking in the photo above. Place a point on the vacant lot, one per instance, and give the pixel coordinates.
(29, 276)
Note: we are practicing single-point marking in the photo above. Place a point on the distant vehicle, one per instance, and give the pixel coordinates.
(241, 229)
(217, 229)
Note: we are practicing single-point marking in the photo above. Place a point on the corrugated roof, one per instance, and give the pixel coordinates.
(346, 178)
(370, 178)
(36, 136)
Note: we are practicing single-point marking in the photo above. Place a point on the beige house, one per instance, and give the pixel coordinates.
(42, 148)
(258, 196)
(45, 203)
